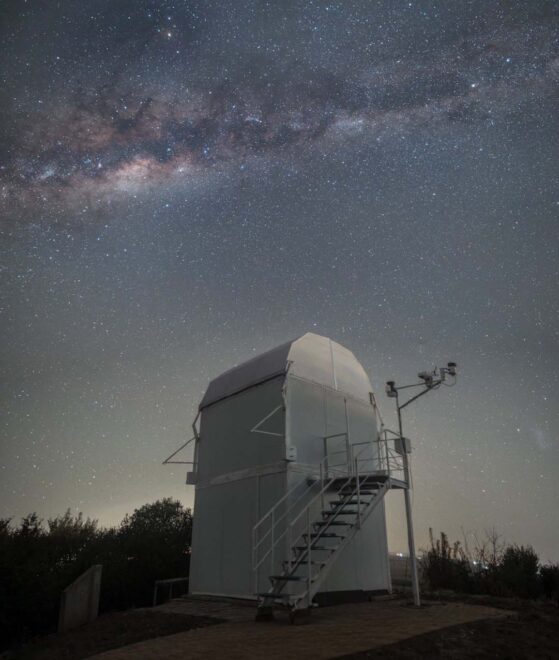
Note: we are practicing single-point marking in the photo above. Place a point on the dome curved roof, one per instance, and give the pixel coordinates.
(310, 357)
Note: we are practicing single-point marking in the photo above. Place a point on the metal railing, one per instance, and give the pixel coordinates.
(291, 515)
(170, 583)
(313, 581)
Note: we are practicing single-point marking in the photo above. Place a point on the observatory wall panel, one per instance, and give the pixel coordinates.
(226, 441)
(363, 564)
(241, 474)
(224, 516)
(315, 412)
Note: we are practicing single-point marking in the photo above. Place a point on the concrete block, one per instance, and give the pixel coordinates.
(80, 600)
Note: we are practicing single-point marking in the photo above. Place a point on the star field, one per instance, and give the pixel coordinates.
(185, 184)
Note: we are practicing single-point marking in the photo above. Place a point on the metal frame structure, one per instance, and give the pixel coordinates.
(195, 438)
(431, 380)
(302, 522)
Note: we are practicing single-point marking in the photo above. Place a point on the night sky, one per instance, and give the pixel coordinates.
(186, 184)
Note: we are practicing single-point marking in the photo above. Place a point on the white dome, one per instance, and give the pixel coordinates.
(310, 357)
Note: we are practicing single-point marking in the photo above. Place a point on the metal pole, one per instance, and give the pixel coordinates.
(272, 549)
(358, 495)
(322, 485)
(308, 557)
(254, 561)
(407, 500)
(347, 445)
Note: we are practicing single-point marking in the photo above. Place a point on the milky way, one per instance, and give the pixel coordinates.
(117, 138)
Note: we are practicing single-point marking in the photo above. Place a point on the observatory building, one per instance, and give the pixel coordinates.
(290, 471)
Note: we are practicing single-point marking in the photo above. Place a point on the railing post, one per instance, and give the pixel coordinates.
(308, 557)
(386, 452)
(358, 495)
(347, 440)
(289, 542)
(273, 543)
(254, 559)
(321, 485)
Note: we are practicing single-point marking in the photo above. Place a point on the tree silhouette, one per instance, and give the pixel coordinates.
(38, 562)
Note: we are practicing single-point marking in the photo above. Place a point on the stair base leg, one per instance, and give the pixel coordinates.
(264, 613)
(300, 617)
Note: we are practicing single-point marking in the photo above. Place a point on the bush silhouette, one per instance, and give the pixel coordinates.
(38, 561)
(518, 572)
(493, 567)
(549, 580)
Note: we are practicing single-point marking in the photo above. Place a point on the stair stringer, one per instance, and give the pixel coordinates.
(304, 600)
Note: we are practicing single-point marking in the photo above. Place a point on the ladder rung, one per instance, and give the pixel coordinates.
(353, 491)
(285, 577)
(348, 502)
(340, 513)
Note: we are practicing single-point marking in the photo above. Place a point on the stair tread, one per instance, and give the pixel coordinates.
(354, 498)
(348, 502)
(363, 493)
(341, 513)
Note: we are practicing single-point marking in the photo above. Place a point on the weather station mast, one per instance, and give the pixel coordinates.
(429, 381)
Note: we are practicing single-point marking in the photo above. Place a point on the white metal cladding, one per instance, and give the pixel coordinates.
(313, 413)
(240, 475)
(311, 357)
(318, 389)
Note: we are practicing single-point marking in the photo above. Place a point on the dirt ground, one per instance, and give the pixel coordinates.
(331, 632)
(381, 629)
(109, 631)
(532, 633)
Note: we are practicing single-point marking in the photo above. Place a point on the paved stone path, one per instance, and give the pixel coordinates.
(332, 632)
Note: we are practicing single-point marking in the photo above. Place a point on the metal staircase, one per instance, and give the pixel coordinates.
(305, 532)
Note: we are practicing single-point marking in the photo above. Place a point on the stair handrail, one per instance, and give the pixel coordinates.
(326, 474)
(323, 469)
(270, 514)
(323, 478)
(325, 483)
(350, 475)
(394, 460)
(312, 588)
(306, 511)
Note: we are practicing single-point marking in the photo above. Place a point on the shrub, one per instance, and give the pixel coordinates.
(492, 568)
(445, 566)
(518, 571)
(37, 562)
(549, 581)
